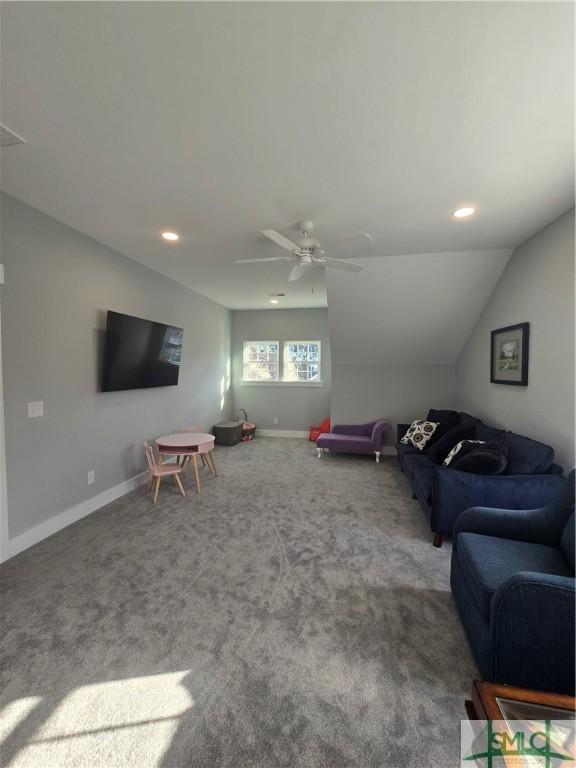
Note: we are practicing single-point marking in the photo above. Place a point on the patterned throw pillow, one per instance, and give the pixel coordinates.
(418, 433)
(457, 448)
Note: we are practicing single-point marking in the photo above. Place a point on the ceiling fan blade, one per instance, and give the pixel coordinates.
(346, 266)
(271, 258)
(280, 240)
(298, 270)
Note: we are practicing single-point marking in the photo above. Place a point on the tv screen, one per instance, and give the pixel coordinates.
(140, 353)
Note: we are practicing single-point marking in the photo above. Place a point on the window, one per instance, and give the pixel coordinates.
(261, 361)
(302, 361)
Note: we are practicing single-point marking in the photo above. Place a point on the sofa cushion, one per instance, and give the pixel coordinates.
(467, 417)
(460, 449)
(442, 447)
(567, 541)
(411, 461)
(482, 458)
(486, 433)
(487, 561)
(526, 456)
(445, 420)
(402, 450)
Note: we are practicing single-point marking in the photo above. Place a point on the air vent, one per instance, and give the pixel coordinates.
(8, 137)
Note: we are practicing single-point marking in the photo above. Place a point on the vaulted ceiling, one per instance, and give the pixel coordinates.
(410, 309)
(219, 119)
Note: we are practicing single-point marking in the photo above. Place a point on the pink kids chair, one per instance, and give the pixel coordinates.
(158, 471)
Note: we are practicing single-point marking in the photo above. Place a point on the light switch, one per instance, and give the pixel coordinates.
(35, 409)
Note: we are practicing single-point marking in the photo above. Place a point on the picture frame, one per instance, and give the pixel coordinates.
(509, 354)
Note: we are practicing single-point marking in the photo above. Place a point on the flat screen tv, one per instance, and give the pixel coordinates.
(140, 353)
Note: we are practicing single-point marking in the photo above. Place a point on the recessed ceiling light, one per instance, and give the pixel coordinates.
(172, 236)
(273, 301)
(462, 213)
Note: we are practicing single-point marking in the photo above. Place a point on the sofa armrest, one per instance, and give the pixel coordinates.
(401, 430)
(380, 427)
(518, 524)
(532, 632)
(356, 430)
(455, 491)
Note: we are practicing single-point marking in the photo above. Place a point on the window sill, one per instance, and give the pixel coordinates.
(298, 384)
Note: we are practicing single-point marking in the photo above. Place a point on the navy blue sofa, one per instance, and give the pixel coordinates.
(530, 480)
(512, 577)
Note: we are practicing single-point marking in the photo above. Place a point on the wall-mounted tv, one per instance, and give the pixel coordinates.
(140, 353)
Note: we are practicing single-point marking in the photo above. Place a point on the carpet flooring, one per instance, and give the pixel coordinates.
(294, 614)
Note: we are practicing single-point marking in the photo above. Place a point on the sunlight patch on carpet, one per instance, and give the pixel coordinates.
(138, 716)
(14, 713)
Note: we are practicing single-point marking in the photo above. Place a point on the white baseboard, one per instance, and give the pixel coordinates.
(63, 519)
(280, 433)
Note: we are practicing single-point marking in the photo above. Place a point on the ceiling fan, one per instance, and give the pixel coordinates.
(305, 253)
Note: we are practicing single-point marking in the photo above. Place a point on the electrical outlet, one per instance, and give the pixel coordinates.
(275, 419)
(91, 477)
(35, 409)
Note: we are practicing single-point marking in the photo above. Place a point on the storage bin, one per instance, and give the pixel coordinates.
(228, 432)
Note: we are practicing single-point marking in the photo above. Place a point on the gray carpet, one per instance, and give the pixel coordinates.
(295, 614)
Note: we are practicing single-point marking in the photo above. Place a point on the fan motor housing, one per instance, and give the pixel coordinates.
(308, 244)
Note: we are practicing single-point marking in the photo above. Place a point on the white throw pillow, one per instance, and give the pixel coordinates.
(456, 450)
(419, 433)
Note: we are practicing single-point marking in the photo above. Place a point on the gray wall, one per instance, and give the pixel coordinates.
(297, 406)
(537, 286)
(59, 285)
(399, 393)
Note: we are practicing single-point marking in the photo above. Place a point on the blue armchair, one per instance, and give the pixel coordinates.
(512, 577)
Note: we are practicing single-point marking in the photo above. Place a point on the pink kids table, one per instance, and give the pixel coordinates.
(188, 445)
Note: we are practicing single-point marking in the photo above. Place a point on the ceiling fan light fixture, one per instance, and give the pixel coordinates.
(464, 212)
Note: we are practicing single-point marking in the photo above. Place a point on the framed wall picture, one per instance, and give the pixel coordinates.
(509, 355)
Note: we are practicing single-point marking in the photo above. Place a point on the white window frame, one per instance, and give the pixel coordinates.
(248, 342)
(281, 382)
(318, 381)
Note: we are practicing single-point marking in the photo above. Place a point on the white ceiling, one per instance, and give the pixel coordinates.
(410, 309)
(217, 120)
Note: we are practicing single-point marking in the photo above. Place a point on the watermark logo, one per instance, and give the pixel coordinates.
(518, 744)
